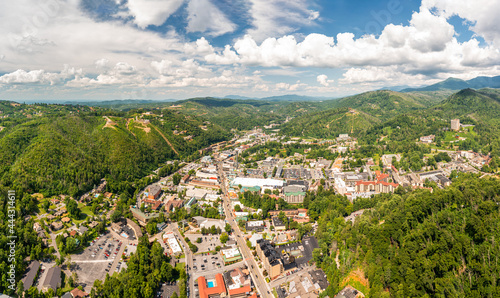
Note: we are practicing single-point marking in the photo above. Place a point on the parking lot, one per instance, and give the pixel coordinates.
(208, 243)
(101, 257)
(207, 263)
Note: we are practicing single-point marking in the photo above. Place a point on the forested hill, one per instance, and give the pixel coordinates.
(384, 104)
(66, 149)
(356, 114)
(415, 244)
(482, 105)
(329, 123)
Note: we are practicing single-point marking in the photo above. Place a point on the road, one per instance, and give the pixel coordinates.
(189, 258)
(258, 279)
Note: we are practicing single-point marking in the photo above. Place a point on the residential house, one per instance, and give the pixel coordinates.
(52, 279)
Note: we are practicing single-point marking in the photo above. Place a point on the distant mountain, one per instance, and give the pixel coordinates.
(458, 84)
(237, 97)
(295, 97)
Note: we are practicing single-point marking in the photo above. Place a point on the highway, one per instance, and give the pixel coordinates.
(258, 279)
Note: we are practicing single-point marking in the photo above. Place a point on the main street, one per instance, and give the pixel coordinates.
(258, 279)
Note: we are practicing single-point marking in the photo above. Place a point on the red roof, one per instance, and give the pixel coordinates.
(219, 288)
(376, 182)
(241, 290)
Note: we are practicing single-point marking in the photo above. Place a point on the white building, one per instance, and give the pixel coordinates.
(172, 243)
(262, 183)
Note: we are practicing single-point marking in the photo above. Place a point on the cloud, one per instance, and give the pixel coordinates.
(40, 76)
(152, 12)
(204, 16)
(426, 46)
(481, 14)
(273, 18)
(323, 80)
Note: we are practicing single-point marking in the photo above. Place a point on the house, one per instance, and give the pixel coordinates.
(52, 279)
(56, 226)
(154, 192)
(30, 274)
(77, 293)
(427, 139)
(211, 288)
(37, 227)
(66, 219)
(73, 233)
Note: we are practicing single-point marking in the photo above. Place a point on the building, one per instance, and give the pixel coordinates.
(255, 237)
(270, 258)
(172, 242)
(262, 183)
(427, 139)
(77, 293)
(52, 279)
(231, 255)
(349, 292)
(375, 186)
(212, 288)
(154, 192)
(288, 212)
(455, 124)
(256, 225)
(278, 224)
(142, 217)
(30, 274)
(56, 226)
(238, 282)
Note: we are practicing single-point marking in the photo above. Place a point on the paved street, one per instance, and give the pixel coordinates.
(259, 281)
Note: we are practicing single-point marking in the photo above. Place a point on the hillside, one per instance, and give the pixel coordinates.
(356, 114)
(458, 84)
(330, 123)
(384, 104)
(70, 153)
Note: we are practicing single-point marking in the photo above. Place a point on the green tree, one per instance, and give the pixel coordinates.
(224, 238)
(176, 178)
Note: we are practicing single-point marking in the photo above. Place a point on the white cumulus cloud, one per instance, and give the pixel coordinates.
(204, 16)
(152, 12)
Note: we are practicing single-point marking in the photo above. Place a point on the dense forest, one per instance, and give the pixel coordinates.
(415, 243)
(70, 153)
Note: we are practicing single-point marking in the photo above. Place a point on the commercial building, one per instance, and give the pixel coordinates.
(172, 242)
(375, 186)
(250, 182)
(455, 124)
(270, 258)
(256, 225)
(231, 255)
(142, 217)
(212, 288)
(154, 192)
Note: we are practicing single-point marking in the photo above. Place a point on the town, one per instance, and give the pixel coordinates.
(236, 221)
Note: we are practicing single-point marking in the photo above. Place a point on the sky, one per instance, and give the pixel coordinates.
(177, 49)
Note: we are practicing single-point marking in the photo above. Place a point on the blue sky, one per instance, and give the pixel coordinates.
(175, 49)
